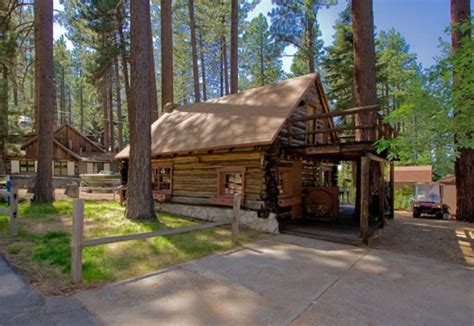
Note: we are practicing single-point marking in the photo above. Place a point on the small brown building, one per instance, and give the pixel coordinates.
(409, 175)
(277, 145)
(74, 154)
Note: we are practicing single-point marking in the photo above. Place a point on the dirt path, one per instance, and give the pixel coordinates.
(445, 240)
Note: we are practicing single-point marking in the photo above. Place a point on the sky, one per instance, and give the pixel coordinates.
(421, 22)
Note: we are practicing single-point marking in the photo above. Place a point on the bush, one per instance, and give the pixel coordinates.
(403, 198)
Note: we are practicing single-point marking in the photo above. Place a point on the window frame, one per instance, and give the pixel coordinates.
(62, 169)
(162, 165)
(28, 164)
(221, 198)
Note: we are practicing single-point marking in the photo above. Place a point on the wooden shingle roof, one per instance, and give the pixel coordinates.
(251, 117)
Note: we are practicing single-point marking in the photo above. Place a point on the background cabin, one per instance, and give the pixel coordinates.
(74, 154)
(277, 145)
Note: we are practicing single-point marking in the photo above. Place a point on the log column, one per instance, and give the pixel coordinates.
(364, 198)
(392, 190)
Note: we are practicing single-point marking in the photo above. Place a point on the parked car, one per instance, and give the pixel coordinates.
(428, 200)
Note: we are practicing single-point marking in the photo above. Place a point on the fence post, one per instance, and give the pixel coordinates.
(13, 198)
(76, 245)
(236, 220)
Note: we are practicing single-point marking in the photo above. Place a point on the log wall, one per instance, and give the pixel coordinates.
(194, 179)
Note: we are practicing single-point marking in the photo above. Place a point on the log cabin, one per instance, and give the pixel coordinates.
(278, 145)
(74, 154)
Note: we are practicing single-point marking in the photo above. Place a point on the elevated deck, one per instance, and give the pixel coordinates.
(347, 138)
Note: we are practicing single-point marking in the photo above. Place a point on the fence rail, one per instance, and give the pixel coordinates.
(78, 242)
(12, 196)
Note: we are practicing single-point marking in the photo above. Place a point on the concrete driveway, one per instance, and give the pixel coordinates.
(291, 280)
(21, 305)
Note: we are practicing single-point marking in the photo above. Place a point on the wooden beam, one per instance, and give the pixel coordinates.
(364, 198)
(120, 238)
(374, 157)
(382, 193)
(76, 241)
(392, 190)
(236, 219)
(329, 130)
(342, 113)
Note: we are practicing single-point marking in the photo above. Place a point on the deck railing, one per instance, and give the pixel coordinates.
(377, 129)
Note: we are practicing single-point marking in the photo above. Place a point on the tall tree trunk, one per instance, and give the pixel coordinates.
(262, 60)
(192, 25)
(118, 99)
(139, 194)
(69, 106)
(44, 99)
(364, 65)
(234, 45)
(464, 165)
(3, 118)
(225, 66)
(110, 104)
(221, 70)
(203, 68)
(166, 53)
(81, 102)
(105, 113)
(310, 42)
(62, 98)
(123, 57)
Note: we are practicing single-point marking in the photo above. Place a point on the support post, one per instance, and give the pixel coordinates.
(13, 197)
(236, 219)
(364, 198)
(76, 245)
(392, 190)
(382, 193)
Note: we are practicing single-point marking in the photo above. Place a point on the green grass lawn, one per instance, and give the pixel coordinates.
(42, 249)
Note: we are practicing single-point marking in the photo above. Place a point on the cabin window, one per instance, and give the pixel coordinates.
(162, 177)
(27, 166)
(60, 167)
(229, 182)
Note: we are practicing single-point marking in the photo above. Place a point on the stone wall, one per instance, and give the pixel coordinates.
(209, 213)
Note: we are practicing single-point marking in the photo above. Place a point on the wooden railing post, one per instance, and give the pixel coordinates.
(392, 190)
(364, 198)
(13, 197)
(236, 219)
(76, 241)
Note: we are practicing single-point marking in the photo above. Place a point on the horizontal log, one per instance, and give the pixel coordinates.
(328, 130)
(204, 166)
(195, 188)
(153, 234)
(342, 113)
(193, 194)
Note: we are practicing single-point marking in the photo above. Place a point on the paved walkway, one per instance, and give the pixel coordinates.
(290, 280)
(22, 305)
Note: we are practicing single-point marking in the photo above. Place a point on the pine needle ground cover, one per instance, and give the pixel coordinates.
(42, 250)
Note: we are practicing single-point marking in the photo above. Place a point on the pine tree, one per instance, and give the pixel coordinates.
(140, 201)
(261, 55)
(44, 99)
(295, 23)
(364, 65)
(464, 165)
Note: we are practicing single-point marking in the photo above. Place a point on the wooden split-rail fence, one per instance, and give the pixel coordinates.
(12, 211)
(78, 242)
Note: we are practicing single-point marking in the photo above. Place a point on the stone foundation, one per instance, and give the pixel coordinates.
(209, 213)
